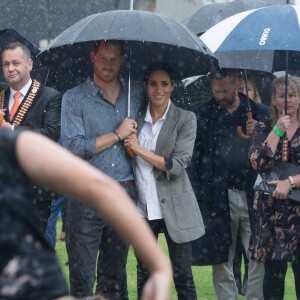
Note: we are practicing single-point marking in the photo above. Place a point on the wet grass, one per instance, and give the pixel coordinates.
(202, 275)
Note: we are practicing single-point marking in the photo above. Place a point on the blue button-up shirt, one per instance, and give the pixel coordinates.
(87, 115)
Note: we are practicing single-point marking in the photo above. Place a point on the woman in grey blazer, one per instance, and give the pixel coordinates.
(163, 147)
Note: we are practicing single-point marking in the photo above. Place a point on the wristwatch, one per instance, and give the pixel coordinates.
(292, 182)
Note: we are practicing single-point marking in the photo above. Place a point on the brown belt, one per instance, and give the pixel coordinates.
(240, 187)
(126, 184)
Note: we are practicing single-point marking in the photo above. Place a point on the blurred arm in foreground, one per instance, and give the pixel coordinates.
(63, 172)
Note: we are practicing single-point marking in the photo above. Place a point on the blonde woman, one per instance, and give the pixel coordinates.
(253, 92)
(276, 240)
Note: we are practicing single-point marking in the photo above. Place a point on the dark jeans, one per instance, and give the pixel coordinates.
(87, 235)
(56, 205)
(275, 272)
(180, 255)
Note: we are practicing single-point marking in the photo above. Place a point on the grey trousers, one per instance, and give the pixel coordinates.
(223, 277)
(88, 236)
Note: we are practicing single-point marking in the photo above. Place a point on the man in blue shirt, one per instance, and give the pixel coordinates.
(94, 123)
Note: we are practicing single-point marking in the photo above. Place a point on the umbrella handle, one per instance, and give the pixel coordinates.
(285, 150)
(240, 129)
(1, 119)
(130, 153)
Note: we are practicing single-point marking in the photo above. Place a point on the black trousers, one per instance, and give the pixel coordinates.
(42, 199)
(273, 286)
(180, 255)
(44, 208)
(88, 236)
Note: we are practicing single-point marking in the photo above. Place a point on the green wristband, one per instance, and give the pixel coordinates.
(278, 131)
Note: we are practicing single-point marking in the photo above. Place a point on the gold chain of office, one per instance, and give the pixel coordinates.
(25, 105)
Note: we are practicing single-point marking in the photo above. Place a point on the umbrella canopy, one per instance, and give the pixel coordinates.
(196, 91)
(150, 38)
(9, 35)
(259, 39)
(209, 15)
(192, 92)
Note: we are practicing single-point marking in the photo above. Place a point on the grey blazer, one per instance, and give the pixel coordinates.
(178, 203)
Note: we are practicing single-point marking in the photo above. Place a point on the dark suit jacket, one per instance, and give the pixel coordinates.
(44, 115)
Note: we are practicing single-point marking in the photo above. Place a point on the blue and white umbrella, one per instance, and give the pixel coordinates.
(211, 14)
(257, 39)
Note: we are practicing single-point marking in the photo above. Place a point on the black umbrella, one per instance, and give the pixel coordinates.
(209, 15)
(39, 71)
(193, 92)
(149, 38)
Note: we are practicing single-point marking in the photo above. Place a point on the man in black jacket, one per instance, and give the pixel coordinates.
(36, 108)
(223, 180)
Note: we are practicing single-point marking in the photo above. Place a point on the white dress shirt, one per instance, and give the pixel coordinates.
(148, 200)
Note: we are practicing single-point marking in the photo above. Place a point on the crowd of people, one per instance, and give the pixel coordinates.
(189, 176)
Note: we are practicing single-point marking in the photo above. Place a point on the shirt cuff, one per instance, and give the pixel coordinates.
(168, 163)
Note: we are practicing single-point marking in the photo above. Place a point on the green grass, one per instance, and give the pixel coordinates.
(202, 275)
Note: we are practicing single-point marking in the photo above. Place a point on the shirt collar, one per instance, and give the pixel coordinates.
(148, 117)
(94, 89)
(23, 90)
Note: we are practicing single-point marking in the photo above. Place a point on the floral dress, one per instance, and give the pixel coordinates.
(277, 231)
